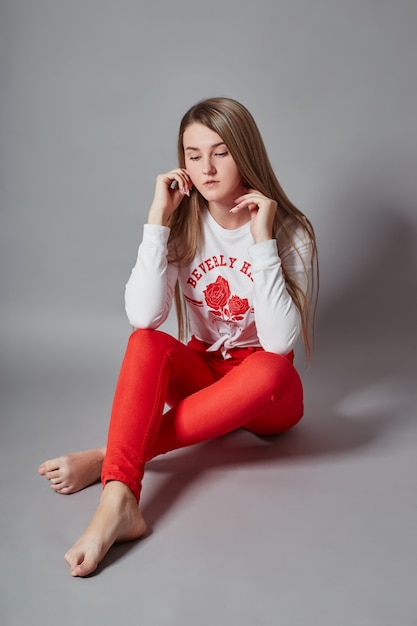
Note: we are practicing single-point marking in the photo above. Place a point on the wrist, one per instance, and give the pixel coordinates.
(157, 216)
(261, 237)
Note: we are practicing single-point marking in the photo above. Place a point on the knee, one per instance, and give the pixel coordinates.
(143, 334)
(278, 382)
(147, 340)
(276, 371)
(269, 362)
(139, 338)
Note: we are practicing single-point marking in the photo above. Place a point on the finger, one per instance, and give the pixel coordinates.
(250, 203)
(252, 196)
(180, 179)
(173, 180)
(184, 175)
(259, 200)
(177, 174)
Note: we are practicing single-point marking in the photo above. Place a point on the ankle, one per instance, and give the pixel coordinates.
(118, 490)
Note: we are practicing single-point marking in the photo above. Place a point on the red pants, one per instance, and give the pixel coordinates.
(208, 395)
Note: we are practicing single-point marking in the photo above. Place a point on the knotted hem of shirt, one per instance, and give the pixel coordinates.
(220, 349)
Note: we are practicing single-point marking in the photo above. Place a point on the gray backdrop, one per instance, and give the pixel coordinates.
(92, 92)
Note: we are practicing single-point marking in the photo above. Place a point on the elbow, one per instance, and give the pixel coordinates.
(138, 319)
(282, 341)
(279, 347)
(137, 314)
(141, 315)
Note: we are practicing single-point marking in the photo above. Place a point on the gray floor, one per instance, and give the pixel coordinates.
(316, 527)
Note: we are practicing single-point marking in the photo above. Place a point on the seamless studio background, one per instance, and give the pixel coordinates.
(312, 528)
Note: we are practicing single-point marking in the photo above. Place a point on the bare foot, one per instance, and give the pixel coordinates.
(117, 519)
(72, 472)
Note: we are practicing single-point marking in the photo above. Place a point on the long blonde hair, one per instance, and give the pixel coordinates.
(237, 128)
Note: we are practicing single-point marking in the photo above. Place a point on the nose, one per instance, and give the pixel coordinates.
(208, 167)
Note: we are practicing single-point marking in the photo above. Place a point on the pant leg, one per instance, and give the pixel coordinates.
(152, 360)
(263, 394)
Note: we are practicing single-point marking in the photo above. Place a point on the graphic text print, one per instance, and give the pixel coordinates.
(214, 262)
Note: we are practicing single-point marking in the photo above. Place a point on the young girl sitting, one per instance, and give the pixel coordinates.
(224, 242)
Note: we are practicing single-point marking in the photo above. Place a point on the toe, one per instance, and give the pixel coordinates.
(42, 469)
(74, 557)
(82, 562)
(54, 477)
(85, 568)
(63, 490)
(48, 466)
(56, 487)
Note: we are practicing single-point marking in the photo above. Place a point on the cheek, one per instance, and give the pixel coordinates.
(197, 183)
(192, 172)
(231, 168)
(193, 177)
(233, 174)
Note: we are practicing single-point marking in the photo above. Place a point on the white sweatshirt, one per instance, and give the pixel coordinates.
(234, 289)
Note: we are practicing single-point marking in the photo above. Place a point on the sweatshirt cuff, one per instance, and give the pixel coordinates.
(264, 255)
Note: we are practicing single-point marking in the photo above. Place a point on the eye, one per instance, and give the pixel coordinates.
(222, 154)
(194, 158)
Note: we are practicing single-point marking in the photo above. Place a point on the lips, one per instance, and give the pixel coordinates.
(210, 183)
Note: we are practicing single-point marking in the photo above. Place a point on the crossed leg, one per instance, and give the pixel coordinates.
(251, 391)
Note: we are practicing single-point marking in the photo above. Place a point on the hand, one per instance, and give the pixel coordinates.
(262, 212)
(170, 189)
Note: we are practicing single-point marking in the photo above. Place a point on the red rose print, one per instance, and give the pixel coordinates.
(218, 293)
(224, 305)
(238, 306)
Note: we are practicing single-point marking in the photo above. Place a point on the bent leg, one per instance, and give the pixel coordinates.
(152, 361)
(261, 382)
(263, 394)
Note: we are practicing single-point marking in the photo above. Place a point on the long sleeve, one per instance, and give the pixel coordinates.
(150, 288)
(235, 290)
(277, 319)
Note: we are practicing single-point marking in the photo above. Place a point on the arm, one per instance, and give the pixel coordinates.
(150, 289)
(278, 321)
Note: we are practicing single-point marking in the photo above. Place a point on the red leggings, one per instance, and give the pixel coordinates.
(209, 396)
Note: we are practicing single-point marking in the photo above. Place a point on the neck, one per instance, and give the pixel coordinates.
(221, 214)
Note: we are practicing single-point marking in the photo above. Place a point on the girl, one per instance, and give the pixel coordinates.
(224, 242)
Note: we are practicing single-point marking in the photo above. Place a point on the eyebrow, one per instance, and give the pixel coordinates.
(215, 145)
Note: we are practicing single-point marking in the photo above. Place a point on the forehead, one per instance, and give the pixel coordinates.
(197, 135)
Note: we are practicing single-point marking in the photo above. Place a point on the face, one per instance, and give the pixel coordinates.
(210, 165)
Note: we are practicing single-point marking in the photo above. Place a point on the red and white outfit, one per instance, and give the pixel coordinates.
(237, 369)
